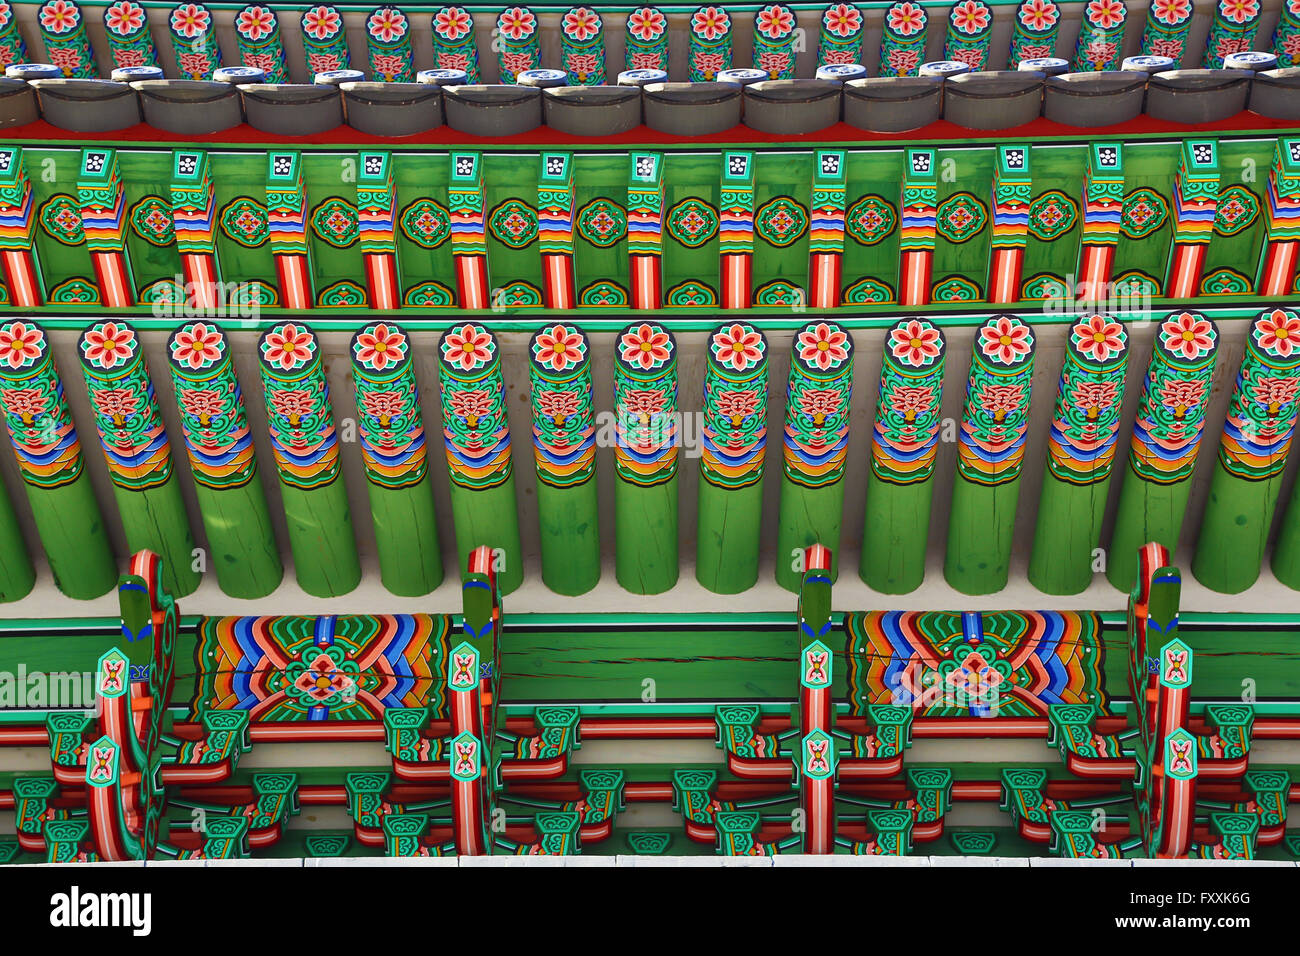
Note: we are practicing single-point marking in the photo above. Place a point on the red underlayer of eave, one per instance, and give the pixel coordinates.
(444, 136)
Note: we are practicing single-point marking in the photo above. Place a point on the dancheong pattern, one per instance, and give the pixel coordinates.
(905, 437)
(1144, 211)
(1236, 210)
(1052, 215)
(995, 418)
(870, 220)
(390, 424)
(817, 405)
(426, 223)
(151, 218)
(735, 406)
(1171, 417)
(246, 222)
(475, 429)
(347, 667)
(602, 222)
(781, 221)
(645, 404)
(1262, 413)
(563, 400)
(299, 417)
(61, 217)
(336, 221)
(36, 411)
(1089, 400)
(514, 222)
(692, 222)
(213, 419)
(945, 664)
(960, 217)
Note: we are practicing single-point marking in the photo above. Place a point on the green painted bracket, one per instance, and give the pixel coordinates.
(402, 737)
(649, 843)
(9, 850)
(557, 832)
(1072, 834)
(1271, 789)
(736, 733)
(974, 842)
(1234, 724)
(67, 733)
(893, 727)
(693, 794)
(933, 789)
(327, 845)
(64, 840)
(604, 794)
(277, 799)
(365, 798)
(225, 737)
(1238, 833)
(32, 797)
(402, 833)
(1024, 794)
(893, 831)
(226, 838)
(1069, 729)
(736, 829)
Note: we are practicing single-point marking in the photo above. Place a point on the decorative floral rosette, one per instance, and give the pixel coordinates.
(518, 37)
(1034, 30)
(905, 438)
(645, 39)
(774, 36)
(1089, 401)
(388, 41)
(298, 411)
(1171, 416)
(902, 39)
(582, 46)
(257, 34)
(645, 403)
(453, 41)
(475, 429)
(213, 417)
(1262, 412)
(390, 424)
(194, 41)
(126, 25)
(323, 39)
(35, 409)
(710, 46)
(995, 417)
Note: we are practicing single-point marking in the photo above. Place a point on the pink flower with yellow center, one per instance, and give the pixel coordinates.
(842, 19)
(1239, 11)
(469, 347)
(1187, 335)
(123, 18)
(452, 23)
(905, 19)
(581, 23)
(190, 20)
(1278, 332)
(1105, 14)
(387, 25)
(559, 347)
(20, 344)
(381, 348)
(970, 16)
(915, 343)
(255, 22)
(516, 23)
(1171, 11)
(1098, 337)
(107, 345)
(1005, 340)
(288, 346)
(321, 23)
(823, 346)
(738, 346)
(709, 23)
(59, 16)
(1039, 14)
(774, 22)
(646, 346)
(646, 24)
(197, 346)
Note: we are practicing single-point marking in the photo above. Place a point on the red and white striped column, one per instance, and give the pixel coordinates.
(22, 275)
(1277, 273)
(555, 230)
(468, 236)
(376, 215)
(1196, 199)
(286, 208)
(826, 230)
(645, 223)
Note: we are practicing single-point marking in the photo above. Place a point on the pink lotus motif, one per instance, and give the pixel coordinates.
(1039, 15)
(646, 346)
(1278, 332)
(709, 23)
(1187, 336)
(384, 406)
(819, 404)
(970, 17)
(322, 680)
(736, 405)
(119, 404)
(59, 17)
(1105, 14)
(823, 346)
(774, 22)
(20, 344)
(559, 347)
(197, 346)
(26, 403)
(915, 343)
(1098, 337)
(201, 403)
(254, 23)
(452, 23)
(558, 406)
(516, 63)
(1239, 11)
(842, 19)
(1171, 12)
(581, 24)
(381, 347)
(737, 345)
(1005, 340)
(321, 23)
(517, 23)
(467, 347)
(1182, 395)
(911, 401)
(190, 20)
(108, 345)
(387, 24)
(295, 404)
(472, 404)
(289, 346)
(124, 18)
(646, 24)
(1093, 398)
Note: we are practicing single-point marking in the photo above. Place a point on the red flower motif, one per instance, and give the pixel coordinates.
(27, 403)
(202, 403)
(646, 24)
(321, 23)
(387, 24)
(198, 346)
(517, 23)
(255, 22)
(1001, 400)
(1094, 397)
(1098, 337)
(914, 343)
(736, 405)
(469, 346)
(1187, 335)
(292, 403)
(709, 23)
(1004, 339)
(646, 346)
(116, 403)
(452, 23)
(288, 346)
(970, 16)
(581, 23)
(381, 348)
(911, 400)
(823, 346)
(559, 347)
(842, 19)
(20, 344)
(558, 406)
(1239, 11)
(471, 404)
(124, 18)
(1105, 14)
(1171, 11)
(738, 346)
(384, 406)
(108, 344)
(1278, 332)
(59, 16)
(1182, 394)
(1039, 14)
(774, 22)
(189, 20)
(905, 19)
